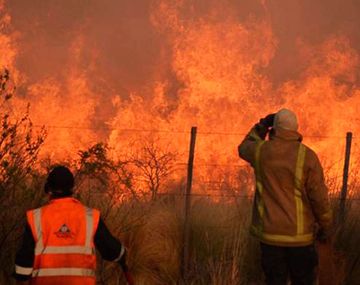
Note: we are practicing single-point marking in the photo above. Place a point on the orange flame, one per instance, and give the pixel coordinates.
(211, 70)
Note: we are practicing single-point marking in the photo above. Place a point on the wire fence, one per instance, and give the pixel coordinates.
(214, 164)
(171, 131)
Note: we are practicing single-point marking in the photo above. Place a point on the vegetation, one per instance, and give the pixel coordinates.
(149, 224)
(19, 147)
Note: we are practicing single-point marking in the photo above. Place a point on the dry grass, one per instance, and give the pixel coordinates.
(155, 249)
(347, 246)
(222, 251)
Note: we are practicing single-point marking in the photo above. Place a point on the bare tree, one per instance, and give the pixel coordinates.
(154, 165)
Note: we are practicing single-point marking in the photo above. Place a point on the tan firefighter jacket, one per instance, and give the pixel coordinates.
(291, 196)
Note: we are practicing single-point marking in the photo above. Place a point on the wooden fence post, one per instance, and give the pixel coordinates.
(345, 177)
(186, 237)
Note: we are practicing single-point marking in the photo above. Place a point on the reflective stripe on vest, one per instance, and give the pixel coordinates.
(23, 270)
(65, 271)
(304, 238)
(298, 187)
(87, 249)
(73, 249)
(89, 226)
(38, 228)
(258, 231)
(259, 184)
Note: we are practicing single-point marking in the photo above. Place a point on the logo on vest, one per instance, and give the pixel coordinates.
(64, 232)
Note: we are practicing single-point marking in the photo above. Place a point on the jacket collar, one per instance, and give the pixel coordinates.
(64, 200)
(287, 135)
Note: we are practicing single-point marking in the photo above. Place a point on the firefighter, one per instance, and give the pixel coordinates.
(60, 238)
(291, 199)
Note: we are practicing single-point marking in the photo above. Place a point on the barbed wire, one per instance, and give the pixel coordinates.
(113, 129)
(212, 164)
(171, 131)
(249, 196)
(185, 165)
(208, 195)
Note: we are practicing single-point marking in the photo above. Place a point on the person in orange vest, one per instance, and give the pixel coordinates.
(60, 238)
(291, 199)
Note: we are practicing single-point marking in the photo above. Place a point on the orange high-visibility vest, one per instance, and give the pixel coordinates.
(64, 233)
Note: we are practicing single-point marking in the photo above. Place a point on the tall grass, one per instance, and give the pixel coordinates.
(347, 244)
(221, 249)
(221, 246)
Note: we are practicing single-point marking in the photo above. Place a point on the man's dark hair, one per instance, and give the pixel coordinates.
(60, 182)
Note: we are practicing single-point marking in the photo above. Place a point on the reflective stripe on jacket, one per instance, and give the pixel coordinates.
(290, 195)
(64, 233)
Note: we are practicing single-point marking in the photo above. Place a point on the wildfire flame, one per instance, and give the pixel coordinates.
(106, 71)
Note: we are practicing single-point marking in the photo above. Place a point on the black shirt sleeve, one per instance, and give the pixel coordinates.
(109, 247)
(24, 259)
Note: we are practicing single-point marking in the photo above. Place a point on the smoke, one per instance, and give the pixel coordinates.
(312, 23)
(118, 41)
(122, 47)
(172, 64)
